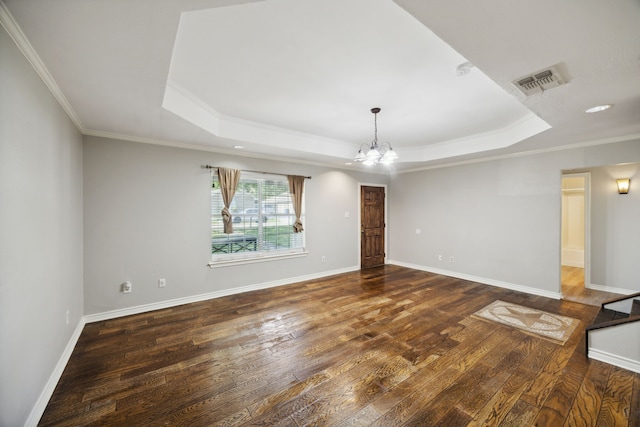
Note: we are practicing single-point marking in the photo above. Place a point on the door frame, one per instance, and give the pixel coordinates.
(587, 224)
(359, 227)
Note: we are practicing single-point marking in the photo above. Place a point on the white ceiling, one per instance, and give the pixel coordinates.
(295, 79)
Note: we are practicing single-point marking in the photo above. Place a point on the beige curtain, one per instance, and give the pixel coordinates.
(296, 187)
(228, 179)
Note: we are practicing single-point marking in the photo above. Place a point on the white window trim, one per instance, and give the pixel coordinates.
(256, 259)
(260, 256)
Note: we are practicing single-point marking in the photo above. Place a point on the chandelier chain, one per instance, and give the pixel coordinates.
(375, 128)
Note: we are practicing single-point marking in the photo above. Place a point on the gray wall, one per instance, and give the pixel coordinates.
(615, 228)
(500, 219)
(145, 213)
(40, 234)
(146, 216)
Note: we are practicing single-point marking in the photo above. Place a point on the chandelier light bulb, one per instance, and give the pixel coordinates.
(373, 153)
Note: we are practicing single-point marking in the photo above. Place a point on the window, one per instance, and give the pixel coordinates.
(262, 215)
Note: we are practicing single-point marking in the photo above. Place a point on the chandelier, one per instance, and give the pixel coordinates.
(374, 154)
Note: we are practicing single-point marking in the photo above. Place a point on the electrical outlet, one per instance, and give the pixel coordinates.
(162, 282)
(451, 259)
(439, 257)
(68, 317)
(126, 287)
(324, 259)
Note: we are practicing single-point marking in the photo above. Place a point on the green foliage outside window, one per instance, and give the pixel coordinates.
(262, 217)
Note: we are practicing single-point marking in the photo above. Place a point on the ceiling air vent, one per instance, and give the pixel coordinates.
(539, 81)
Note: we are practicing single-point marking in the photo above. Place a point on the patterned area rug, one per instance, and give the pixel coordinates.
(546, 325)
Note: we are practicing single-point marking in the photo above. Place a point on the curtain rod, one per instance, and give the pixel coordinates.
(245, 170)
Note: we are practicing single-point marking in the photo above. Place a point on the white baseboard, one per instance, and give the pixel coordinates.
(612, 359)
(484, 280)
(612, 289)
(573, 264)
(107, 315)
(572, 257)
(47, 392)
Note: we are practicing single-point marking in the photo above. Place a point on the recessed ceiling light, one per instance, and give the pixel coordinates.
(348, 163)
(598, 108)
(239, 147)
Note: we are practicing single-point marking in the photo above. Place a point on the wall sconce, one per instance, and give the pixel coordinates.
(623, 185)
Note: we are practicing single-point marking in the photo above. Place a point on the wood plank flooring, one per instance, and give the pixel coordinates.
(387, 346)
(573, 288)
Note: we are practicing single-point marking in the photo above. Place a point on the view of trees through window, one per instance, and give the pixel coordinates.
(262, 214)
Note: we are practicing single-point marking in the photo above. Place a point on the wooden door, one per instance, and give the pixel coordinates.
(371, 226)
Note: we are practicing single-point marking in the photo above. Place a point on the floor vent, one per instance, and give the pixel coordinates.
(539, 81)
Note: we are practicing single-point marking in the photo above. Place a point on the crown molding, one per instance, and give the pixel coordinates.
(15, 32)
(20, 39)
(585, 144)
(211, 149)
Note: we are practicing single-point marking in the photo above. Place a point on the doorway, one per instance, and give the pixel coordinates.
(372, 226)
(574, 258)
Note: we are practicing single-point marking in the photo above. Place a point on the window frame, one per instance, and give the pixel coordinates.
(260, 254)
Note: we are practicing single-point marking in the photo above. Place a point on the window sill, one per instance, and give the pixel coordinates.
(242, 261)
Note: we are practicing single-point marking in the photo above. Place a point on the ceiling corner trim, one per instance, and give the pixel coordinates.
(263, 134)
(191, 108)
(515, 132)
(199, 147)
(20, 39)
(184, 104)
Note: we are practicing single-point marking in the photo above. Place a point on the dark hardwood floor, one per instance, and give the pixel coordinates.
(387, 346)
